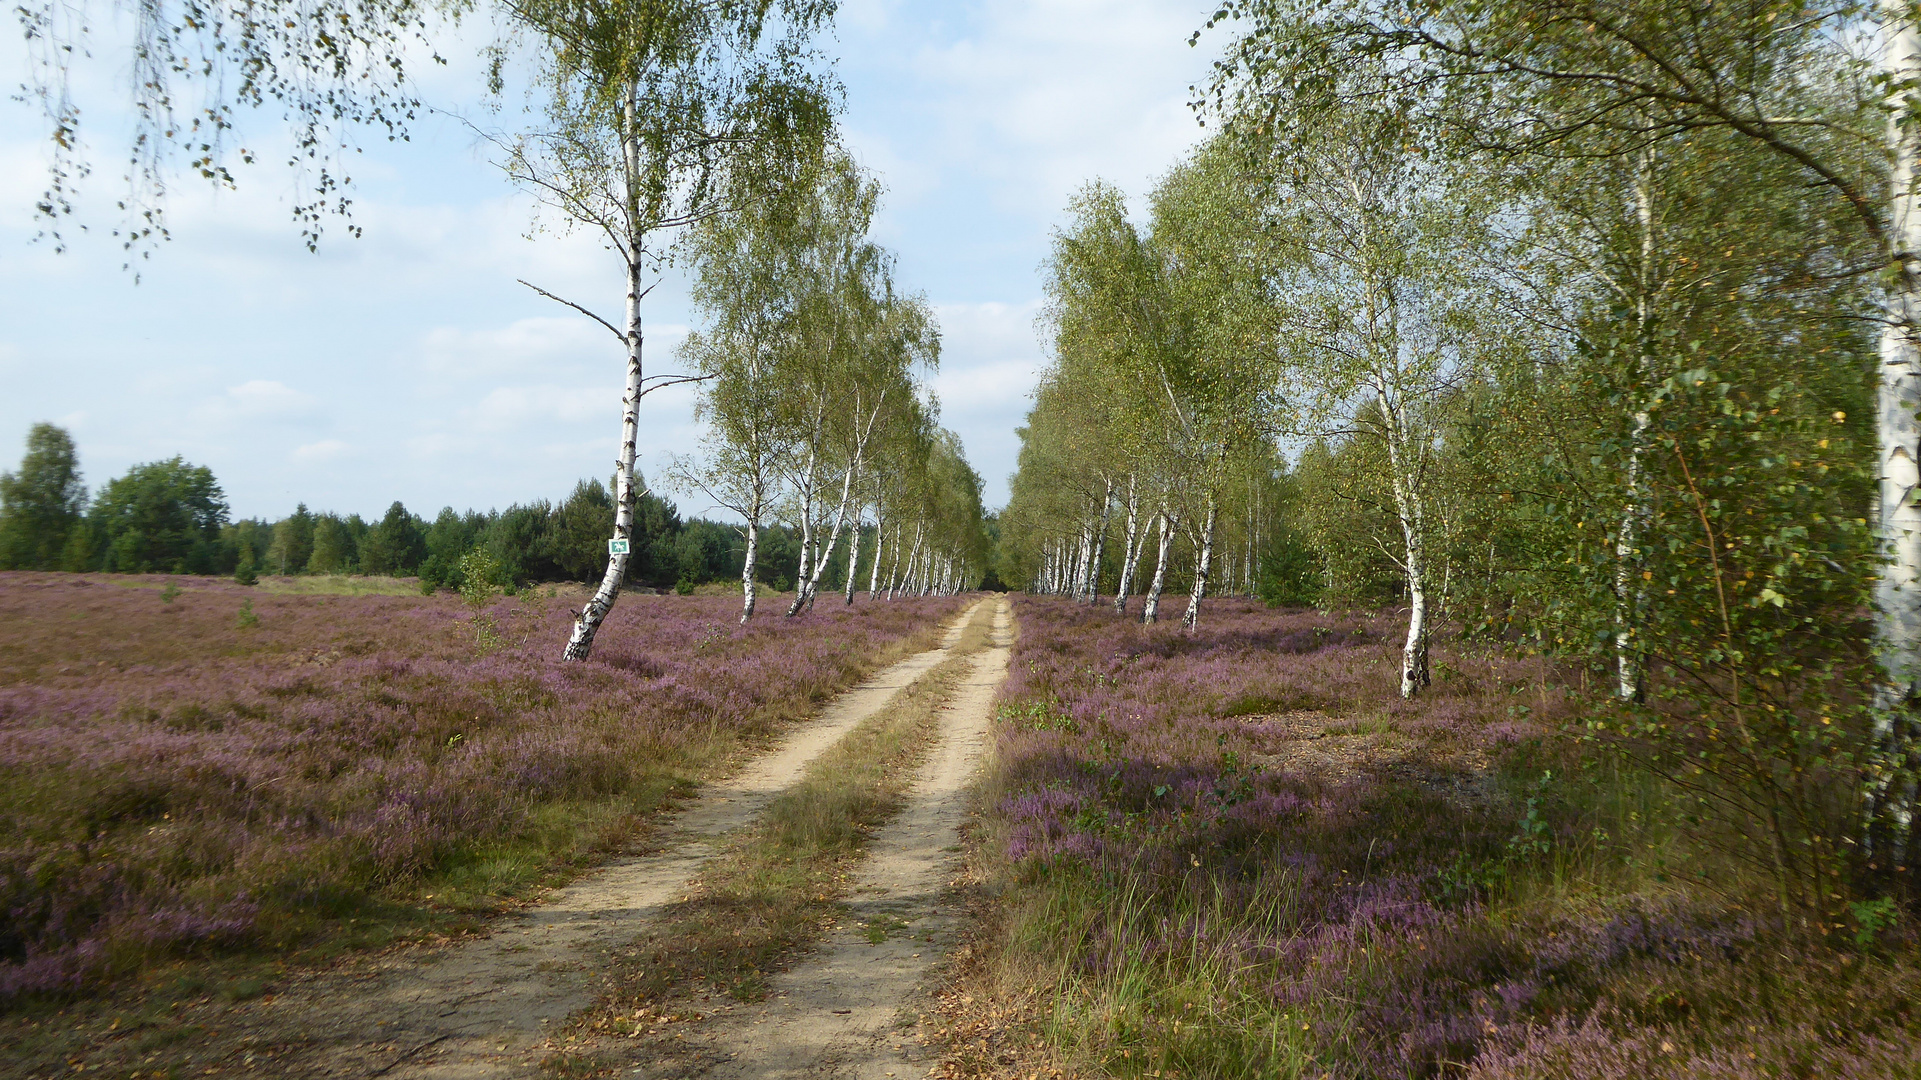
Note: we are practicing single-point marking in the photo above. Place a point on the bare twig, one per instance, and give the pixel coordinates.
(560, 300)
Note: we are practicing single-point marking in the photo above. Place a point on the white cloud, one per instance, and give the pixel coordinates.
(324, 450)
(256, 401)
(1033, 98)
(510, 408)
(267, 397)
(990, 358)
(523, 347)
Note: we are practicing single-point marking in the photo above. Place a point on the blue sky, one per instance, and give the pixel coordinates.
(409, 365)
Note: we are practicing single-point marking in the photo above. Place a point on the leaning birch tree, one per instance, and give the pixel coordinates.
(658, 113)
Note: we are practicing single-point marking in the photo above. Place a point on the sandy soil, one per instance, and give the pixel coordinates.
(848, 1009)
(481, 1009)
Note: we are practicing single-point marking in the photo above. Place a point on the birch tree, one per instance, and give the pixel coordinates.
(1220, 371)
(744, 450)
(1826, 88)
(1375, 310)
(659, 111)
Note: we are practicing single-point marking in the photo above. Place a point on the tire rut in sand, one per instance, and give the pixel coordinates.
(480, 1010)
(839, 1012)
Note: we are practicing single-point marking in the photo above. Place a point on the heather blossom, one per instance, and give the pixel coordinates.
(1247, 818)
(177, 780)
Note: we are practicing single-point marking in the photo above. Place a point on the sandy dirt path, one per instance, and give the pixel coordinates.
(846, 1010)
(481, 1009)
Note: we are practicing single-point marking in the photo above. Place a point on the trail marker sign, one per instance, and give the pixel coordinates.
(616, 547)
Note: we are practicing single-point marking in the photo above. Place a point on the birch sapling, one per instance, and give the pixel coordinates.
(656, 113)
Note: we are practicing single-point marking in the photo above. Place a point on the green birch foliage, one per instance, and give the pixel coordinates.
(1580, 80)
(328, 66)
(661, 111)
(1759, 569)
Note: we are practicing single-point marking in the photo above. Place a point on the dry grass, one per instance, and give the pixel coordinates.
(339, 585)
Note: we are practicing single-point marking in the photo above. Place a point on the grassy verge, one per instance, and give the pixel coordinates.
(778, 887)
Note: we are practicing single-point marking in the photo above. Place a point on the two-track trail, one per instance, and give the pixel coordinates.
(481, 1009)
(844, 1011)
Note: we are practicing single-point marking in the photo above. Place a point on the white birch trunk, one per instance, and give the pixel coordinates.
(1411, 510)
(803, 596)
(1093, 591)
(1083, 552)
(806, 494)
(893, 572)
(880, 545)
(905, 583)
(1151, 608)
(1131, 553)
(1898, 590)
(1206, 557)
(580, 644)
(1630, 591)
(853, 556)
(747, 566)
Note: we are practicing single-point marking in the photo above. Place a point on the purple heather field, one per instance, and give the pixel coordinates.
(178, 777)
(1255, 859)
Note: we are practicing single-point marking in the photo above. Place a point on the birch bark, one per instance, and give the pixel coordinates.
(1100, 544)
(905, 581)
(1411, 509)
(580, 644)
(747, 568)
(880, 544)
(1898, 590)
(853, 556)
(804, 593)
(805, 486)
(1133, 550)
(1193, 614)
(1630, 591)
(1083, 554)
(1150, 609)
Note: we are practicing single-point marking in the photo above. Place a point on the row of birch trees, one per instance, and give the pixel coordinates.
(1551, 324)
(816, 412)
(705, 132)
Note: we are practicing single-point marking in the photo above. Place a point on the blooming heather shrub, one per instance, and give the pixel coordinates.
(1214, 910)
(169, 781)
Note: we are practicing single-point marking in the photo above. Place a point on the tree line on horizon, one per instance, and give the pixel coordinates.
(172, 517)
